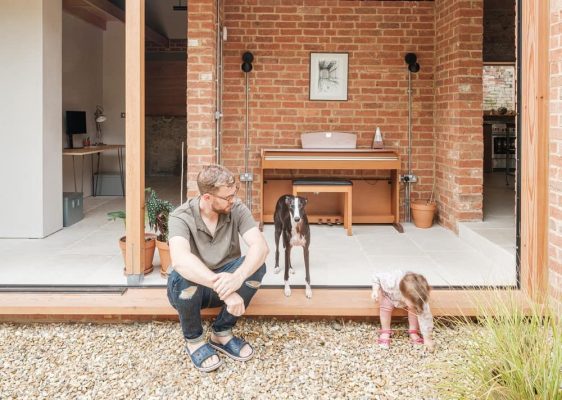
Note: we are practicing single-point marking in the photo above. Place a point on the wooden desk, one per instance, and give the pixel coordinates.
(91, 150)
(371, 204)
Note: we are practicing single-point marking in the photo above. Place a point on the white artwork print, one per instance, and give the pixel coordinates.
(328, 76)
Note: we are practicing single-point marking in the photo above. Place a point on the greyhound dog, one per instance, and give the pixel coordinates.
(291, 221)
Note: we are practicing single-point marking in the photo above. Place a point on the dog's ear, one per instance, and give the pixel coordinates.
(304, 201)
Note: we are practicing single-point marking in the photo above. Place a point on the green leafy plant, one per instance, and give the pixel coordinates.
(114, 215)
(512, 352)
(120, 214)
(158, 212)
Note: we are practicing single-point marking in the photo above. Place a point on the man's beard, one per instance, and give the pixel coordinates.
(221, 210)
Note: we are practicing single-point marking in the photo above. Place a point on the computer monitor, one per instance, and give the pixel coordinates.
(75, 124)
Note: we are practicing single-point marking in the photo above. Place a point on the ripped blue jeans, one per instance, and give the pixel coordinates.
(188, 298)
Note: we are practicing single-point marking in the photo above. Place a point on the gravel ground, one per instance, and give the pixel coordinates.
(294, 360)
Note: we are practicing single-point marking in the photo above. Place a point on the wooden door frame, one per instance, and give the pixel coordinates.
(134, 139)
(534, 131)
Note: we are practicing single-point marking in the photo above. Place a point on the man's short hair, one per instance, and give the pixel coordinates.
(212, 177)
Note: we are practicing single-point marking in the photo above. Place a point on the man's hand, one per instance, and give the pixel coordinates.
(227, 283)
(235, 304)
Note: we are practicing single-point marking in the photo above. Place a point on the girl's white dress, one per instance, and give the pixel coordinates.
(389, 283)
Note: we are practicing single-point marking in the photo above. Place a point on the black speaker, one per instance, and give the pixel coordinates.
(247, 59)
(411, 59)
(414, 67)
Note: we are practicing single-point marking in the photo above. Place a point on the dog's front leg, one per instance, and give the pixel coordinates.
(287, 264)
(308, 290)
(277, 236)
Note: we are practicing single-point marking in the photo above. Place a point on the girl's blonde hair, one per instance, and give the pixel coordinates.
(415, 288)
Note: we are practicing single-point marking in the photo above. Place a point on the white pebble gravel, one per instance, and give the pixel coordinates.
(294, 360)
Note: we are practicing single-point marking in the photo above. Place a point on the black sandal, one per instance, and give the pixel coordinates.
(201, 354)
(233, 348)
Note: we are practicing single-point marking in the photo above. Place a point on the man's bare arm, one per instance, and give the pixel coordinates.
(189, 265)
(258, 250)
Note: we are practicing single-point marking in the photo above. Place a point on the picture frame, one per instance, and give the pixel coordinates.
(328, 76)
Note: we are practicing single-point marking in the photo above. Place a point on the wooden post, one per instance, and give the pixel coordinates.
(534, 146)
(134, 138)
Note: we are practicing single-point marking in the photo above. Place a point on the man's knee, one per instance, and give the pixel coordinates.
(181, 289)
(254, 281)
(188, 293)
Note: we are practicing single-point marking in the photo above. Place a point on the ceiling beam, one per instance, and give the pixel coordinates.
(82, 13)
(113, 11)
(110, 12)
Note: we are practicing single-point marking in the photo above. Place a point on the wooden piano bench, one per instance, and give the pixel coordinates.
(329, 186)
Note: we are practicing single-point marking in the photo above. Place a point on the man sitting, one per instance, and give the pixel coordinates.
(208, 269)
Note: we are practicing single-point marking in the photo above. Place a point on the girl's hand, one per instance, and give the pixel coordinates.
(375, 292)
(429, 344)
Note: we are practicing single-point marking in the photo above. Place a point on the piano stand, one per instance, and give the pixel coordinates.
(345, 187)
(375, 199)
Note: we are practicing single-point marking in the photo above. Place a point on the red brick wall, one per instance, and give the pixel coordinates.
(458, 110)
(555, 178)
(447, 37)
(201, 33)
(281, 36)
(165, 93)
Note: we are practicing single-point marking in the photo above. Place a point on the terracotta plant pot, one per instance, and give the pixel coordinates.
(149, 247)
(423, 213)
(165, 260)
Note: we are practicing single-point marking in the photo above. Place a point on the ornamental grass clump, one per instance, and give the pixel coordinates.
(513, 352)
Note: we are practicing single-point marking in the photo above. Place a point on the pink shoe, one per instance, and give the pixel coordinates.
(419, 340)
(384, 343)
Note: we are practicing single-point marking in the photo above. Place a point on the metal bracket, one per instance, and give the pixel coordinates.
(134, 280)
(218, 115)
(408, 178)
(247, 177)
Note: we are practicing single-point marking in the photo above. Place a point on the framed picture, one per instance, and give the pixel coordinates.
(328, 76)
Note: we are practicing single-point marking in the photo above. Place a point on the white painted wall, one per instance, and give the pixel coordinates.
(30, 123)
(94, 73)
(52, 124)
(113, 91)
(82, 89)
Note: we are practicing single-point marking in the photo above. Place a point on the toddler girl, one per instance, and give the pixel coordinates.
(409, 291)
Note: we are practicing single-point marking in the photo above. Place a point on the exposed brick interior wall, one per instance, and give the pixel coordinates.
(499, 87)
(555, 175)
(201, 33)
(458, 110)
(499, 30)
(165, 108)
(174, 46)
(163, 136)
(281, 35)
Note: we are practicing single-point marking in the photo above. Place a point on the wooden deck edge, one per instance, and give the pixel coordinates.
(152, 304)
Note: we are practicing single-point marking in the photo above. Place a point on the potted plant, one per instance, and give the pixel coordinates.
(423, 212)
(158, 212)
(149, 242)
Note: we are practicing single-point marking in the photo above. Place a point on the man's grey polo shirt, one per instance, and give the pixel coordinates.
(214, 251)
